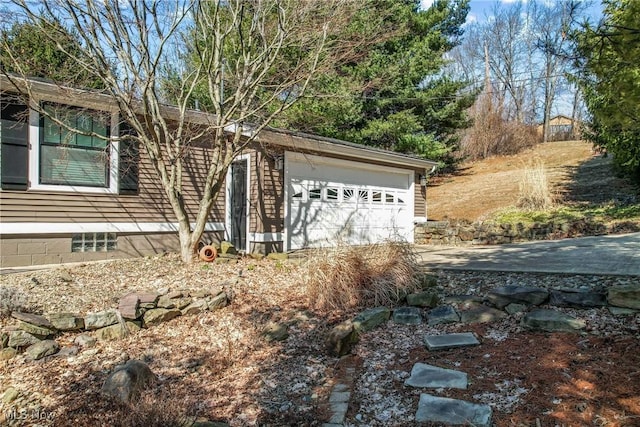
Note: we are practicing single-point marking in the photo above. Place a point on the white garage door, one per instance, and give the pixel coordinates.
(331, 200)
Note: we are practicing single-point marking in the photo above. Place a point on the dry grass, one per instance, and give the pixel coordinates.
(347, 277)
(161, 410)
(535, 190)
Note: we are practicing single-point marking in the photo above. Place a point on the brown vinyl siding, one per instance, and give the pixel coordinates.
(420, 197)
(150, 205)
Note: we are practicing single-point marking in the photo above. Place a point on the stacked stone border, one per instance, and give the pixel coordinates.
(35, 334)
(461, 233)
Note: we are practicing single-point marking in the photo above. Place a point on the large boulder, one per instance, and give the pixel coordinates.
(369, 319)
(552, 321)
(341, 339)
(128, 380)
(625, 295)
(42, 349)
(505, 295)
(101, 319)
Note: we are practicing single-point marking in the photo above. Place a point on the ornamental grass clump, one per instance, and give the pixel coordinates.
(535, 189)
(348, 277)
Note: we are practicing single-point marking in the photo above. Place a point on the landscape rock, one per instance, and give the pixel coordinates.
(480, 313)
(514, 308)
(42, 349)
(128, 306)
(128, 380)
(37, 331)
(447, 341)
(577, 298)
(275, 332)
(369, 319)
(84, 340)
(218, 301)
(175, 294)
(33, 319)
(407, 315)
(166, 302)
(442, 314)
(147, 298)
(197, 306)
(505, 295)
(552, 321)
(435, 409)
(341, 339)
(199, 293)
(65, 276)
(101, 319)
(428, 281)
(182, 303)
(4, 339)
(227, 248)
(278, 256)
(621, 311)
(159, 315)
(66, 321)
(19, 339)
(9, 395)
(627, 296)
(423, 299)
(117, 331)
(8, 353)
(423, 375)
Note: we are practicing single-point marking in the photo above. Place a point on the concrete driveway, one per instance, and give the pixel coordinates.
(609, 255)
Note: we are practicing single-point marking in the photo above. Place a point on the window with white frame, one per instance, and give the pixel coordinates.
(74, 158)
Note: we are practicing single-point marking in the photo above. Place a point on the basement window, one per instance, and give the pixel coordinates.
(94, 242)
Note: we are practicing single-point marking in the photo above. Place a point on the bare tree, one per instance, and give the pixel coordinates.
(234, 49)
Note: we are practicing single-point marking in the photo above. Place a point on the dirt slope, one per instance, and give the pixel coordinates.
(479, 189)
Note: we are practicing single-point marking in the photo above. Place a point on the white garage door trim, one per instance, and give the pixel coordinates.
(300, 167)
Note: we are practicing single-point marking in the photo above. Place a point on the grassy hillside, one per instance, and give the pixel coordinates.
(581, 183)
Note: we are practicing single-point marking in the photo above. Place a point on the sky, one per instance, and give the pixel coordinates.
(481, 9)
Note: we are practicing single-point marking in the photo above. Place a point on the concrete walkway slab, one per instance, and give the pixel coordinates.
(429, 376)
(437, 409)
(447, 341)
(606, 255)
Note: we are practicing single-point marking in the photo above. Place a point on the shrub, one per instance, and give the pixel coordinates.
(11, 299)
(492, 135)
(535, 193)
(347, 277)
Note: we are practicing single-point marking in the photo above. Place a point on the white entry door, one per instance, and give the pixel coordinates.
(331, 201)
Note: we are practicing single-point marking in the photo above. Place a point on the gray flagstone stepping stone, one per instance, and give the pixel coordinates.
(407, 315)
(423, 375)
(451, 411)
(444, 342)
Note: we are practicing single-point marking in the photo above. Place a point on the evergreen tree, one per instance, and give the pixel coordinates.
(609, 64)
(393, 95)
(30, 51)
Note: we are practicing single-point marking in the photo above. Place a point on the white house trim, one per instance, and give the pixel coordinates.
(96, 227)
(266, 237)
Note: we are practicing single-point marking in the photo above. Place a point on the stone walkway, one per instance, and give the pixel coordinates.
(505, 300)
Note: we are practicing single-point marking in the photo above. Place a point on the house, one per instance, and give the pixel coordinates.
(90, 199)
(562, 128)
